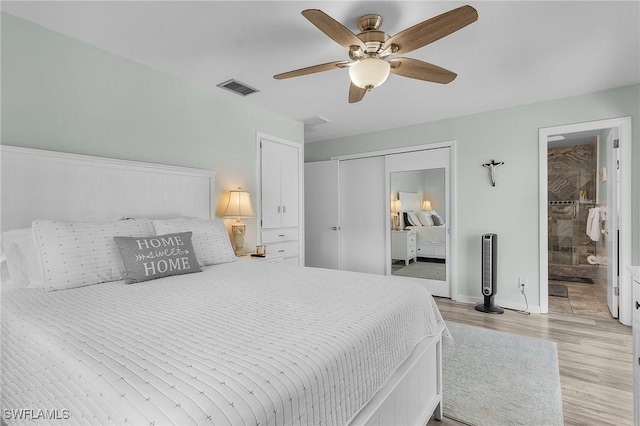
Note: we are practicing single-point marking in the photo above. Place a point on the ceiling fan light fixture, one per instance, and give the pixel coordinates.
(370, 72)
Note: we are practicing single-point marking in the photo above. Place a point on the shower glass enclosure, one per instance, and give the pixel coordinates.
(572, 192)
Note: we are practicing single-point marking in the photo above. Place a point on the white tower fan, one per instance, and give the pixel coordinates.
(489, 275)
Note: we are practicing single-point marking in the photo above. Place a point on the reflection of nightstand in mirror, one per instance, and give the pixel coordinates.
(269, 258)
(403, 245)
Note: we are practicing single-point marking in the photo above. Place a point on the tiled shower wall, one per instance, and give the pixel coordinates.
(571, 170)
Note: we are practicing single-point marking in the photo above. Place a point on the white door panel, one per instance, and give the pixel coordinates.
(271, 188)
(363, 215)
(322, 214)
(289, 181)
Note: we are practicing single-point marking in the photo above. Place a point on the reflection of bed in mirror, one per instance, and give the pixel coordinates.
(431, 239)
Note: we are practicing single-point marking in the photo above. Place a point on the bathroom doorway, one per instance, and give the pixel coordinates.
(577, 205)
(586, 205)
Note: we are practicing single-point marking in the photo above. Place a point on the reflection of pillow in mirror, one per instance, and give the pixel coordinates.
(413, 219)
(425, 219)
(437, 220)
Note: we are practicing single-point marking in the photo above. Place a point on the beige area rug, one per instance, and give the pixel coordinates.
(490, 378)
(432, 271)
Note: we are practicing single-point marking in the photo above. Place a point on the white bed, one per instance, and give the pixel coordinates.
(259, 344)
(241, 342)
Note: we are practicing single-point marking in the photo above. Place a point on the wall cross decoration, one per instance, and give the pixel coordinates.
(492, 169)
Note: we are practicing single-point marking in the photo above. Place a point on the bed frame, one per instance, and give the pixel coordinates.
(412, 394)
(40, 184)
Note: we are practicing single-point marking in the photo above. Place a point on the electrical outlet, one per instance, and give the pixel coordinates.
(522, 284)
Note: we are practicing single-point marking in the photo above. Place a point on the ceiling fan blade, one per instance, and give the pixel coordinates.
(432, 29)
(332, 28)
(312, 69)
(413, 68)
(356, 93)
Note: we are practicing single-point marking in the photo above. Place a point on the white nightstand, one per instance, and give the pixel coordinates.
(269, 258)
(403, 245)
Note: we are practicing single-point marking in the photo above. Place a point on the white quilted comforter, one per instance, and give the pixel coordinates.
(244, 343)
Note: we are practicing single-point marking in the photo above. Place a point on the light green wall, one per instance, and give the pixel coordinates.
(509, 209)
(64, 95)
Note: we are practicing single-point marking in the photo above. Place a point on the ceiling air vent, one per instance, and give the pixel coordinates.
(315, 121)
(238, 87)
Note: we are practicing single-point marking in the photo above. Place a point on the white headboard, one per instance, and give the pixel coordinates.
(411, 201)
(39, 184)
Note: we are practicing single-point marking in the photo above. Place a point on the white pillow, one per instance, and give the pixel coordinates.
(210, 238)
(413, 219)
(21, 260)
(75, 254)
(425, 219)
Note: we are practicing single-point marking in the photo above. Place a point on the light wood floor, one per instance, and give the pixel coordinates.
(594, 354)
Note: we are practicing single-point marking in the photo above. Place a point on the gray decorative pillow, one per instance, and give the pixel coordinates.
(436, 220)
(148, 258)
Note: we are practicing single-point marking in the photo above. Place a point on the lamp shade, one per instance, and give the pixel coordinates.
(239, 205)
(426, 205)
(396, 206)
(368, 73)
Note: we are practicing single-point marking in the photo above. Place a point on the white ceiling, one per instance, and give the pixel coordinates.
(517, 52)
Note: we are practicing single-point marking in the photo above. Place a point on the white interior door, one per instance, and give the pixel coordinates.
(363, 215)
(322, 210)
(613, 209)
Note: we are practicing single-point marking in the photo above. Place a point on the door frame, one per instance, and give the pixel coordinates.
(623, 124)
(452, 252)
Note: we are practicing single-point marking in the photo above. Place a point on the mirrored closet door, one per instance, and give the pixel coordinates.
(419, 225)
(357, 215)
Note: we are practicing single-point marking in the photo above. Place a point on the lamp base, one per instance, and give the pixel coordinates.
(238, 230)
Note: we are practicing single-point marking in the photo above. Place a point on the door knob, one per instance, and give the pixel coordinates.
(335, 228)
(637, 305)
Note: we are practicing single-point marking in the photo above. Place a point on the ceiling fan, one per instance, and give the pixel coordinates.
(370, 49)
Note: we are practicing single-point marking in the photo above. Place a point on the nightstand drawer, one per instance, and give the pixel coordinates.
(286, 249)
(274, 259)
(277, 235)
(426, 250)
